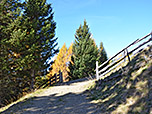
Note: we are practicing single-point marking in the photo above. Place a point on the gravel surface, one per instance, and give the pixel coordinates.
(69, 98)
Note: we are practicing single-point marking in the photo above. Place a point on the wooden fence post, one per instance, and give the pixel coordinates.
(124, 56)
(128, 55)
(55, 78)
(60, 77)
(97, 72)
(50, 81)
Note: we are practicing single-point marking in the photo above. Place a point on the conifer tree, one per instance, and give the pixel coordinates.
(9, 11)
(61, 62)
(40, 42)
(69, 53)
(68, 60)
(85, 54)
(27, 43)
(102, 53)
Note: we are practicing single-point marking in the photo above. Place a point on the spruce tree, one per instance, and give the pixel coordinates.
(85, 54)
(9, 11)
(102, 53)
(27, 44)
(7, 15)
(40, 42)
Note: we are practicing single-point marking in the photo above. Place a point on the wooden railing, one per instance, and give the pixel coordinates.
(108, 66)
(57, 78)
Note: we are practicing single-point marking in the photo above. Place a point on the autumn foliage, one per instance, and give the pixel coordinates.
(61, 62)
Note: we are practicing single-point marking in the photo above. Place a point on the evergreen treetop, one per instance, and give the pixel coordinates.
(85, 53)
(102, 53)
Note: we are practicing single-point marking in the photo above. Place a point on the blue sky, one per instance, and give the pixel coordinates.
(114, 22)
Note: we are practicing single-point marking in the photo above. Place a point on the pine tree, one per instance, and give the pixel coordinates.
(85, 54)
(9, 11)
(7, 7)
(27, 44)
(40, 32)
(102, 53)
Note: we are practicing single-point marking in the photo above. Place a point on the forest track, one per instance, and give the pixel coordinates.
(69, 98)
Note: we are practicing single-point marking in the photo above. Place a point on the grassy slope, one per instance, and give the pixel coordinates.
(130, 93)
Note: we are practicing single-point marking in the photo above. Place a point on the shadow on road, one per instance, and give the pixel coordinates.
(70, 103)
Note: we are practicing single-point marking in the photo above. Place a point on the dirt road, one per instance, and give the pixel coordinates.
(70, 98)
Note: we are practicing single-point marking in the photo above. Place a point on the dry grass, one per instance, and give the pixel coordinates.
(131, 93)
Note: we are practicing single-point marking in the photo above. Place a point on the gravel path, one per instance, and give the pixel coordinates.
(70, 98)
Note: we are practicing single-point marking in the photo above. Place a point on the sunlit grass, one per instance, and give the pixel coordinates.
(142, 87)
(129, 93)
(135, 74)
(124, 108)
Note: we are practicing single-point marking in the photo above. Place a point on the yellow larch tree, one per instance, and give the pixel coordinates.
(61, 62)
(68, 58)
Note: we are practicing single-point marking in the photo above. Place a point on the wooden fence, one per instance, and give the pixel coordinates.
(113, 62)
(57, 78)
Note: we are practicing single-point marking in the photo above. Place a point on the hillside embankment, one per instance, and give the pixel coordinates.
(131, 91)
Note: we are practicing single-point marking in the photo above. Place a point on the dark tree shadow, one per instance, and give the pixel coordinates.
(66, 104)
